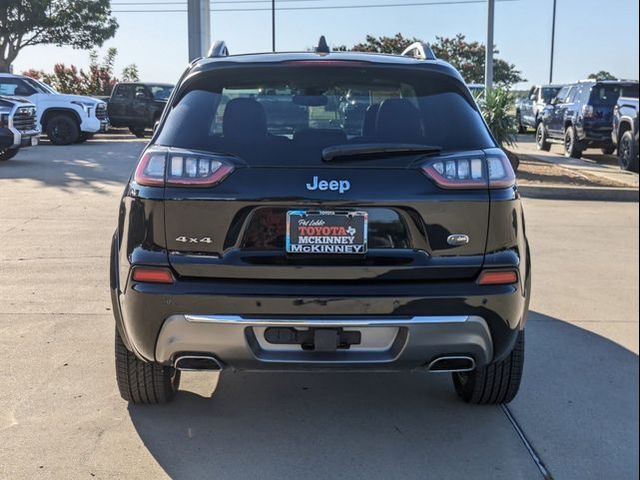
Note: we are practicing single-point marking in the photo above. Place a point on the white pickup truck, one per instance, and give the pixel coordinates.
(64, 118)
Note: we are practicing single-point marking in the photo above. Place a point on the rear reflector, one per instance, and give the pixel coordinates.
(492, 277)
(152, 275)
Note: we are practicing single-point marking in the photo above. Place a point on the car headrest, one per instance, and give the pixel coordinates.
(369, 123)
(398, 121)
(244, 118)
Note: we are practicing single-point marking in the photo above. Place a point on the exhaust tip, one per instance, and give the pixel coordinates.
(197, 363)
(448, 364)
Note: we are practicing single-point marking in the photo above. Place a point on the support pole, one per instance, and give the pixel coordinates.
(273, 25)
(199, 27)
(553, 41)
(488, 61)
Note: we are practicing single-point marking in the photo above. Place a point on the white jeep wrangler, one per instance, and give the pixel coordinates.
(64, 118)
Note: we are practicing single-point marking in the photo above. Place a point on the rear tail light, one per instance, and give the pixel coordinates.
(498, 277)
(587, 111)
(159, 167)
(492, 171)
(152, 275)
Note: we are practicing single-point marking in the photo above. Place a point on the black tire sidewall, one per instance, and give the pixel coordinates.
(572, 150)
(628, 145)
(8, 154)
(541, 138)
(63, 130)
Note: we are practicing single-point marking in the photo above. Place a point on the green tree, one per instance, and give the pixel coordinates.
(467, 57)
(76, 23)
(130, 73)
(602, 75)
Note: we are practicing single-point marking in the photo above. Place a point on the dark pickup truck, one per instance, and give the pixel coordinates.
(529, 108)
(625, 131)
(581, 116)
(137, 106)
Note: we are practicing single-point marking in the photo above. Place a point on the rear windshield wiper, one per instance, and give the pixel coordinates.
(373, 150)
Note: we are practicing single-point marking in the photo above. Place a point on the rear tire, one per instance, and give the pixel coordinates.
(608, 149)
(143, 382)
(521, 128)
(542, 142)
(497, 382)
(628, 152)
(137, 131)
(62, 129)
(572, 147)
(8, 154)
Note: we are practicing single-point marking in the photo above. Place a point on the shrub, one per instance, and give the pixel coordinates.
(496, 106)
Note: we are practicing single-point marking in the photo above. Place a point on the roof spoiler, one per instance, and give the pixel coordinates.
(419, 50)
(218, 49)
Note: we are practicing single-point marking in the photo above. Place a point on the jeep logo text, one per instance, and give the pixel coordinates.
(340, 186)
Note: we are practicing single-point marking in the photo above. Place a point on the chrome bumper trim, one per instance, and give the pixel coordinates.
(326, 321)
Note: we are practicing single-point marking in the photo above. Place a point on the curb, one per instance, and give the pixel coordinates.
(580, 193)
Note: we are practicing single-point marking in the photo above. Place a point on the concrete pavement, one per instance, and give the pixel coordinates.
(61, 415)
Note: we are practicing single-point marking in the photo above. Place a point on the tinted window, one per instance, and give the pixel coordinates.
(124, 91)
(548, 93)
(287, 115)
(15, 86)
(608, 94)
(161, 92)
(563, 94)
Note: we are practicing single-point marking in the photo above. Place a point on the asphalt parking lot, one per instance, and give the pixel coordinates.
(61, 415)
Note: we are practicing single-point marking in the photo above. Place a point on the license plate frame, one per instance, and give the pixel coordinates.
(326, 232)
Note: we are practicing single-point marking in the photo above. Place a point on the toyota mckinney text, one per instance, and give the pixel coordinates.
(263, 238)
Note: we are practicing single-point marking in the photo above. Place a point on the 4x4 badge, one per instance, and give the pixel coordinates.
(183, 239)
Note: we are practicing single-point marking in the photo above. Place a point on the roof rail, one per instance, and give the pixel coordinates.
(322, 45)
(419, 50)
(218, 49)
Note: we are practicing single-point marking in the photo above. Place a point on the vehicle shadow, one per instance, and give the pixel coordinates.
(333, 425)
(74, 167)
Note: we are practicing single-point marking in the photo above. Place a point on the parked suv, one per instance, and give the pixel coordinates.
(529, 108)
(399, 248)
(625, 130)
(581, 116)
(65, 118)
(137, 106)
(18, 127)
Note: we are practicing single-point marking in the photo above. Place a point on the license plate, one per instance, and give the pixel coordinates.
(34, 141)
(321, 232)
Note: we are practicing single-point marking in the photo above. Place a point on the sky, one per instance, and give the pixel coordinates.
(591, 35)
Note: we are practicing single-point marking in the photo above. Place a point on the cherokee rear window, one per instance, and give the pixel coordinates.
(287, 114)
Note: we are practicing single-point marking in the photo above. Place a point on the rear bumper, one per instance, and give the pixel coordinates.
(386, 343)
(227, 318)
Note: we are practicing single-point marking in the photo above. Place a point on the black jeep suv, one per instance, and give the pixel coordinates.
(402, 247)
(581, 116)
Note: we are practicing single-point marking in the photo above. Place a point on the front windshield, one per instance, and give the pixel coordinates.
(39, 86)
(288, 115)
(161, 92)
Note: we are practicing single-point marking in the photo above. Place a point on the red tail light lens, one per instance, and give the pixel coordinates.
(159, 167)
(498, 277)
(492, 171)
(152, 275)
(150, 170)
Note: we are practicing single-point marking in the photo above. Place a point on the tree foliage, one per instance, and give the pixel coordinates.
(76, 23)
(467, 57)
(602, 75)
(496, 105)
(99, 79)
